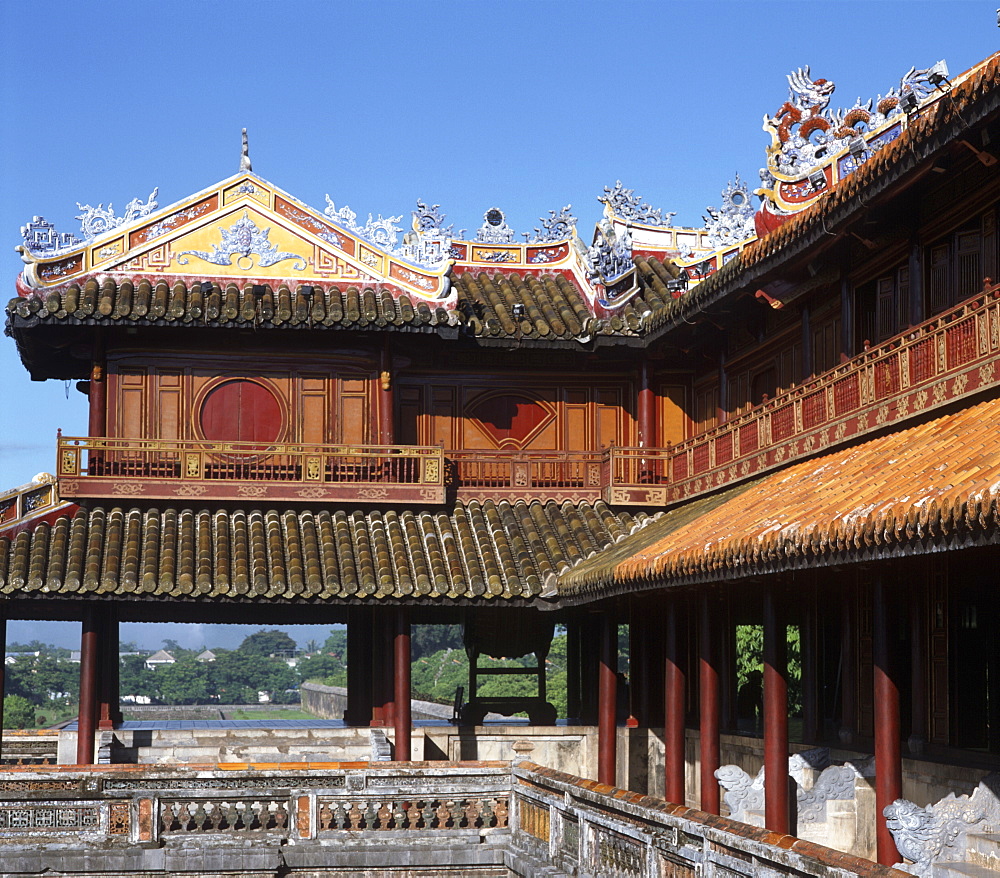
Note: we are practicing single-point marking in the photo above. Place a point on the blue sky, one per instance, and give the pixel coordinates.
(524, 105)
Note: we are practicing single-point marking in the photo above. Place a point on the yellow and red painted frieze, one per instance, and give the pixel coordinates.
(242, 229)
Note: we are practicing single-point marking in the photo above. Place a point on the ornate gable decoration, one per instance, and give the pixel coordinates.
(244, 229)
(813, 147)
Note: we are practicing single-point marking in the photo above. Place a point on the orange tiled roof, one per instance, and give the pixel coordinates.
(937, 484)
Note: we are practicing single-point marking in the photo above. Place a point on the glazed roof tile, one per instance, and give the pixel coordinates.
(478, 552)
(934, 484)
(555, 310)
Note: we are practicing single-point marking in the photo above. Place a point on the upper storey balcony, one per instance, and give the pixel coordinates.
(934, 364)
(158, 469)
(931, 365)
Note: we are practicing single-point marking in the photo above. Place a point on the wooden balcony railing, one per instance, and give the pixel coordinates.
(942, 360)
(930, 365)
(170, 469)
(21, 506)
(515, 475)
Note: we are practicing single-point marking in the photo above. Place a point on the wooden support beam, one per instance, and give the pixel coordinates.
(89, 663)
(387, 689)
(709, 706)
(675, 684)
(607, 699)
(401, 693)
(888, 755)
(359, 659)
(109, 710)
(776, 799)
(386, 415)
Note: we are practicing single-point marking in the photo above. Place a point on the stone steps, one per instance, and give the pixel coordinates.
(968, 870)
(983, 849)
(982, 858)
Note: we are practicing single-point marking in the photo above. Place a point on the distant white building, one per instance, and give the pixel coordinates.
(206, 656)
(159, 659)
(12, 657)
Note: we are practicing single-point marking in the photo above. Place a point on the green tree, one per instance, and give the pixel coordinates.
(323, 667)
(43, 678)
(235, 677)
(134, 678)
(336, 643)
(750, 668)
(267, 643)
(18, 712)
(183, 682)
(428, 639)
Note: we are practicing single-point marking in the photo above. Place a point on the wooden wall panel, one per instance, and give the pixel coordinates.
(547, 438)
(353, 423)
(443, 425)
(567, 414)
(131, 414)
(314, 406)
(577, 421)
(409, 410)
(317, 406)
(610, 418)
(674, 421)
(167, 414)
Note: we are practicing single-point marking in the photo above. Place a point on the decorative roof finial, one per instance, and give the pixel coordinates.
(245, 156)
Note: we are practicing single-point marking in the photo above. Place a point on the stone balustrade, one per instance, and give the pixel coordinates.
(418, 818)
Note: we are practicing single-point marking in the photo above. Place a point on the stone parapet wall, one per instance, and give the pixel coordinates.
(330, 702)
(361, 818)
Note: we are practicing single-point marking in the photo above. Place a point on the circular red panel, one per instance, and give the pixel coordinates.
(241, 411)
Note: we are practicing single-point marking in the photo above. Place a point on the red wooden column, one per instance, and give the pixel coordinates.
(646, 413)
(385, 400)
(888, 755)
(109, 709)
(89, 660)
(359, 658)
(97, 393)
(708, 683)
(674, 687)
(775, 714)
(401, 714)
(607, 697)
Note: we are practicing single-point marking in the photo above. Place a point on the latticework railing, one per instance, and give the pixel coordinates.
(165, 469)
(943, 359)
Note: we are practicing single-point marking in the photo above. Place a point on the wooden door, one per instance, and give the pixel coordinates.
(241, 411)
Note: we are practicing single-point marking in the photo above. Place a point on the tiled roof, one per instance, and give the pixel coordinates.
(475, 552)
(933, 485)
(555, 310)
(927, 135)
(153, 302)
